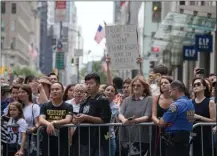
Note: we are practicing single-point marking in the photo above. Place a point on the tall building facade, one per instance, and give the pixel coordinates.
(45, 63)
(19, 31)
(150, 16)
(69, 33)
(72, 39)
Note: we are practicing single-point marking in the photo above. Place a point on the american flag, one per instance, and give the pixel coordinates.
(100, 34)
(122, 3)
(32, 51)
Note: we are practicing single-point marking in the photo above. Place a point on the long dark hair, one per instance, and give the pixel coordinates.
(207, 92)
(116, 92)
(170, 79)
(27, 89)
(65, 95)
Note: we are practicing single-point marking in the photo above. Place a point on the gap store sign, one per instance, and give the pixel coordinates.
(189, 53)
(204, 43)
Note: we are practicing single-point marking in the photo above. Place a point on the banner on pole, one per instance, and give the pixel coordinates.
(60, 11)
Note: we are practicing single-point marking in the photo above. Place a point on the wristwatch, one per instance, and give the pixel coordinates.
(54, 123)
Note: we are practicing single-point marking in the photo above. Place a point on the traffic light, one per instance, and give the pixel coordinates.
(152, 64)
(156, 12)
(72, 61)
(77, 61)
(6, 71)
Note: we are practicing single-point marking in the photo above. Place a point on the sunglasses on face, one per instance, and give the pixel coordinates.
(136, 85)
(198, 84)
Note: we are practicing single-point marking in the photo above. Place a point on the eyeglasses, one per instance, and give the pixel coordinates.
(198, 84)
(79, 91)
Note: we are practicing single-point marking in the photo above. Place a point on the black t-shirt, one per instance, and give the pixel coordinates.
(57, 113)
(97, 107)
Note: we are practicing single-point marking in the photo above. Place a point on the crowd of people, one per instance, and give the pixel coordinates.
(34, 102)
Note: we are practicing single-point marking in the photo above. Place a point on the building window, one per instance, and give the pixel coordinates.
(12, 56)
(192, 2)
(3, 7)
(13, 43)
(13, 26)
(13, 8)
(2, 42)
(202, 3)
(153, 34)
(2, 26)
(181, 2)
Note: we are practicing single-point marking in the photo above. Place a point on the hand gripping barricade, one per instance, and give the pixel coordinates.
(93, 129)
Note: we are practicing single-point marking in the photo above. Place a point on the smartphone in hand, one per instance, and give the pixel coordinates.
(131, 118)
(200, 71)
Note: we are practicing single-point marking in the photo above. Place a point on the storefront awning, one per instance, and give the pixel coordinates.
(178, 29)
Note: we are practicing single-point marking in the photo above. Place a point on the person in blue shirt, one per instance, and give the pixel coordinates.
(178, 121)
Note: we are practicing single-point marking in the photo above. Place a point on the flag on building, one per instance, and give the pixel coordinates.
(100, 34)
(32, 51)
(122, 3)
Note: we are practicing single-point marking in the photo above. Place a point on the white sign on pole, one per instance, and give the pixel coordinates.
(78, 52)
(122, 46)
(60, 11)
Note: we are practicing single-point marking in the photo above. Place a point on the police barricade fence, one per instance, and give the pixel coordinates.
(98, 126)
(118, 125)
(201, 135)
(150, 134)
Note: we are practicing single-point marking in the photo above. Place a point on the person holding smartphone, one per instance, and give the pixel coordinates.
(136, 108)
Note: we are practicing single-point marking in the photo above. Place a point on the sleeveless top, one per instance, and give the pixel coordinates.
(202, 108)
(160, 110)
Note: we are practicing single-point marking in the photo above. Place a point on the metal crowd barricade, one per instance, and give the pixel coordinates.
(202, 137)
(89, 126)
(7, 144)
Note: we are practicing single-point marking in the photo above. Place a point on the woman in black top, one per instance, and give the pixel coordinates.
(205, 111)
(160, 105)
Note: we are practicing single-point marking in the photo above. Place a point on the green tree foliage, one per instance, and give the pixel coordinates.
(96, 68)
(25, 71)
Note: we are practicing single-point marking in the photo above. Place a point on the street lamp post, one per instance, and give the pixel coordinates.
(77, 59)
(216, 61)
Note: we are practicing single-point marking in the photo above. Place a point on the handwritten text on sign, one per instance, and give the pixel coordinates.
(122, 46)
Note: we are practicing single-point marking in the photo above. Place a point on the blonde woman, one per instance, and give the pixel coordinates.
(136, 108)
